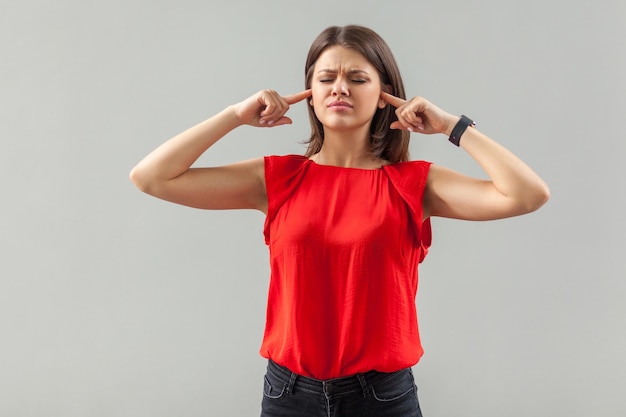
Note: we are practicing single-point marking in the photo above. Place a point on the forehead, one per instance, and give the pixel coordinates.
(339, 58)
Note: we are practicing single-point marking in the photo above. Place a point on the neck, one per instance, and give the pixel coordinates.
(346, 149)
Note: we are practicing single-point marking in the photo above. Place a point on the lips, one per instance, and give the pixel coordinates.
(340, 104)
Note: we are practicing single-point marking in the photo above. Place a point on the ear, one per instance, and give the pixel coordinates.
(311, 102)
(387, 89)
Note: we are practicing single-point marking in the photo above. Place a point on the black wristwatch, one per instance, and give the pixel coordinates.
(459, 128)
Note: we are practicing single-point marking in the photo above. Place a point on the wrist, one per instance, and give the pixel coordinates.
(452, 122)
(230, 113)
(459, 128)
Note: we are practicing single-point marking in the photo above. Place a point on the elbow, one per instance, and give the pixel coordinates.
(542, 194)
(545, 195)
(140, 179)
(135, 177)
(539, 195)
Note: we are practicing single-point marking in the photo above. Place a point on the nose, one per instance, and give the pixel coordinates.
(340, 87)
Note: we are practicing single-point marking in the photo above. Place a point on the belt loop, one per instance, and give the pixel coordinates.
(361, 379)
(292, 381)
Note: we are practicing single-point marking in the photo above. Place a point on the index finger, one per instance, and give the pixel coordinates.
(391, 99)
(294, 98)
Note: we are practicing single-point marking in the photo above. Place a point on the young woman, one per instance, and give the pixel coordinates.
(347, 223)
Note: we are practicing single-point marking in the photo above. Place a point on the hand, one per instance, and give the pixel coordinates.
(420, 115)
(267, 108)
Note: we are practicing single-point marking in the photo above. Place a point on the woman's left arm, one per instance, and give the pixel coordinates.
(512, 189)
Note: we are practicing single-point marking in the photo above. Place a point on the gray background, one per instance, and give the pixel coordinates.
(113, 303)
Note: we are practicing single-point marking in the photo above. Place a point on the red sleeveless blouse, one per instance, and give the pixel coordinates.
(345, 244)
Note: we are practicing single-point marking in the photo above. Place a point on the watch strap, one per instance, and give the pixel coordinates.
(463, 123)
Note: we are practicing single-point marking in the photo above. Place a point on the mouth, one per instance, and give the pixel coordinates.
(340, 104)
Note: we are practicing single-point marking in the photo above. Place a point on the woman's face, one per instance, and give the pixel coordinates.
(345, 89)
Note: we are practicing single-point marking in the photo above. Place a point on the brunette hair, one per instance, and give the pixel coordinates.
(389, 144)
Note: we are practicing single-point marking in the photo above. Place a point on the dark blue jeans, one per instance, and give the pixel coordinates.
(372, 394)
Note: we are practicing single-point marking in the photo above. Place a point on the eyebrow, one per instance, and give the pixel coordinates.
(351, 72)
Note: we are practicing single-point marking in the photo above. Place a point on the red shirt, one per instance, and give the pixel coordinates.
(344, 247)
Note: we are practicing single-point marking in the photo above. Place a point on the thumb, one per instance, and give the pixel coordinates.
(396, 125)
(282, 121)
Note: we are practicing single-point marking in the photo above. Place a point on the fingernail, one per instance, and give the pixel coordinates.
(410, 129)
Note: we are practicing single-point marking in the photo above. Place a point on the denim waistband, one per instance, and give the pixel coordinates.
(333, 386)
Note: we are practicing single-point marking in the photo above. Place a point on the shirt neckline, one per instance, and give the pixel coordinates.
(312, 162)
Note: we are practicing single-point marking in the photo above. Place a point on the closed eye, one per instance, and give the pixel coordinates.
(330, 80)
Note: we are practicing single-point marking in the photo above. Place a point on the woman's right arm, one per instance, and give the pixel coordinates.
(166, 172)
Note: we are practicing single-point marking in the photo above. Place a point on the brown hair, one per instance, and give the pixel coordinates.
(389, 144)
